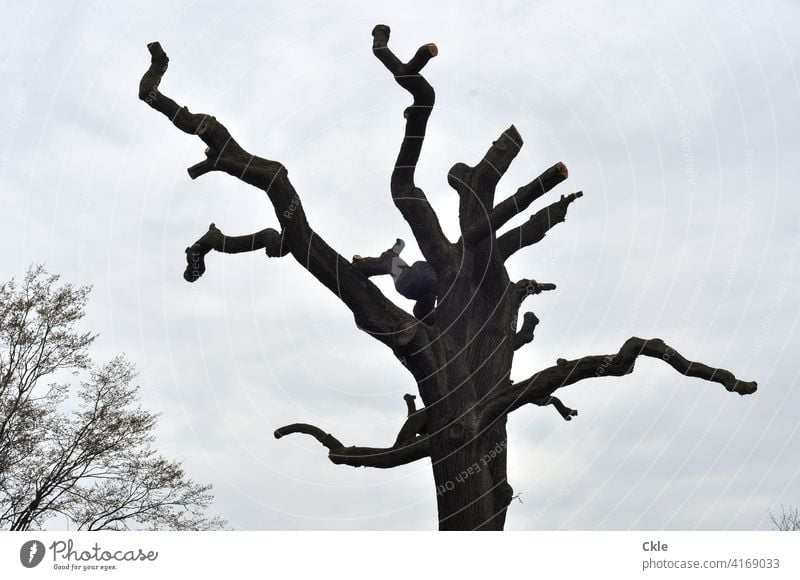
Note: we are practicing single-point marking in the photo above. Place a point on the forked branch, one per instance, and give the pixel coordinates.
(410, 199)
(566, 372)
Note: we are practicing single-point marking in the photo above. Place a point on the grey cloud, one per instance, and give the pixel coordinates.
(694, 241)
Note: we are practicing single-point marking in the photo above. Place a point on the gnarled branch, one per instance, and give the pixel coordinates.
(382, 458)
(372, 311)
(537, 226)
(517, 203)
(566, 372)
(416, 423)
(410, 199)
(213, 133)
(268, 239)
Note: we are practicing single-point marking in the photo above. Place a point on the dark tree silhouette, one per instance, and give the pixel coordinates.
(460, 346)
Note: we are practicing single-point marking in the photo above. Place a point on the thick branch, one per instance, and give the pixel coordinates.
(409, 199)
(408, 446)
(525, 333)
(398, 454)
(535, 229)
(213, 133)
(268, 239)
(517, 203)
(476, 185)
(545, 382)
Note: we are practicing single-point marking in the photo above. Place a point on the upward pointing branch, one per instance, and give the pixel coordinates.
(410, 199)
(537, 226)
(267, 239)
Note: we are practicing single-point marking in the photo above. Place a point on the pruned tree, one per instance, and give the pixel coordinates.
(86, 453)
(459, 350)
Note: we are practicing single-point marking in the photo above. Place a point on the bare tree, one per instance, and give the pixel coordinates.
(460, 342)
(787, 521)
(83, 453)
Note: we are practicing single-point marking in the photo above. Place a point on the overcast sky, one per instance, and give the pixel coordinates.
(679, 121)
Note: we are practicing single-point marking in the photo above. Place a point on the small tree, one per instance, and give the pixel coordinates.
(460, 342)
(86, 452)
(787, 521)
